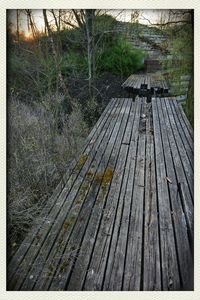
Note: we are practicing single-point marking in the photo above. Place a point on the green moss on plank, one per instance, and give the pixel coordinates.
(104, 177)
(82, 160)
(108, 174)
(90, 174)
(64, 266)
(68, 222)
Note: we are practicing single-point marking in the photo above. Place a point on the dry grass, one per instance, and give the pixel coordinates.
(41, 140)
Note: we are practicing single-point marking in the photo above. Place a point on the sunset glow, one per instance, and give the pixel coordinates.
(145, 17)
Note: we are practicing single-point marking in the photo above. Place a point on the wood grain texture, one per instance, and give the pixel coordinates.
(141, 84)
(169, 263)
(122, 217)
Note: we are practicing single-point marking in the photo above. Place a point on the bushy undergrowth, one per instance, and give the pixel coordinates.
(74, 65)
(41, 140)
(38, 72)
(118, 57)
(182, 63)
(31, 63)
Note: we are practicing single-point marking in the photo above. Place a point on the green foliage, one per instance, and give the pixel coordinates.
(18, 68)
(182, 62)
(31, 73)
(73, 64)
(104, 23)
(31, 64)
(71, 39)
(119, 57)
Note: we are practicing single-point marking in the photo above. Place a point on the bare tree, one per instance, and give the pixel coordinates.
(89, 25)
(17, 31)
(30, 22)
(56, 19)
(79, 15)
(173, 17)
(85, 21)
(55, 55)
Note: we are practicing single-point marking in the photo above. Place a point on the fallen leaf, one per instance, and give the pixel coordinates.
(14, 245)
(169, 180)
(170, 282)
(92, 272)
(92, 142)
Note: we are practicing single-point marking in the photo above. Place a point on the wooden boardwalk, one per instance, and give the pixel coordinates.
(146, 84)
(123, 217)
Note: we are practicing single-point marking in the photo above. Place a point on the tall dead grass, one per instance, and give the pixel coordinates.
(41, 139)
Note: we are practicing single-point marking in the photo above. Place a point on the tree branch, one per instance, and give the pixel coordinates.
(166, 23)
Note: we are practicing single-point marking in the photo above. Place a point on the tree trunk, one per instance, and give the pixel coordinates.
(31, 23)
(89, 25)
(78, 18)
(56, 21)
(55, 55)
(17, 11)
(59, 16)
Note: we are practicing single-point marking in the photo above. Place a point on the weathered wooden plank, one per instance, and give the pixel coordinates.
(148, 83)
(187, 128)
(107, 235)
(133, 264)
(183, 155)
(179, 221)
(19, 255)
(129, 127)
(160, 86)
(152, 85)
(50, 222)
(94, 277)
(131, 81)
(115, 266)
(142, 78)
(143, 82)
(128, 81)
(113, 256)
(165, 86)
(81, 267)
(63, 233)
(61, 278)
(169, 264)
(188, 147)
(97, 265)
(151, 265)
(189, 219)
(178, 114)
(187, 202)
(135, 85)
(139, 83)
(187, 123)
(114, 179)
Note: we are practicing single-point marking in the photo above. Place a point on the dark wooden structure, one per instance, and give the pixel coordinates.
(152, 64)
(146, 84)
(122, 219)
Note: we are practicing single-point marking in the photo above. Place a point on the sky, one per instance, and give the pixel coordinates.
(124, 16)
